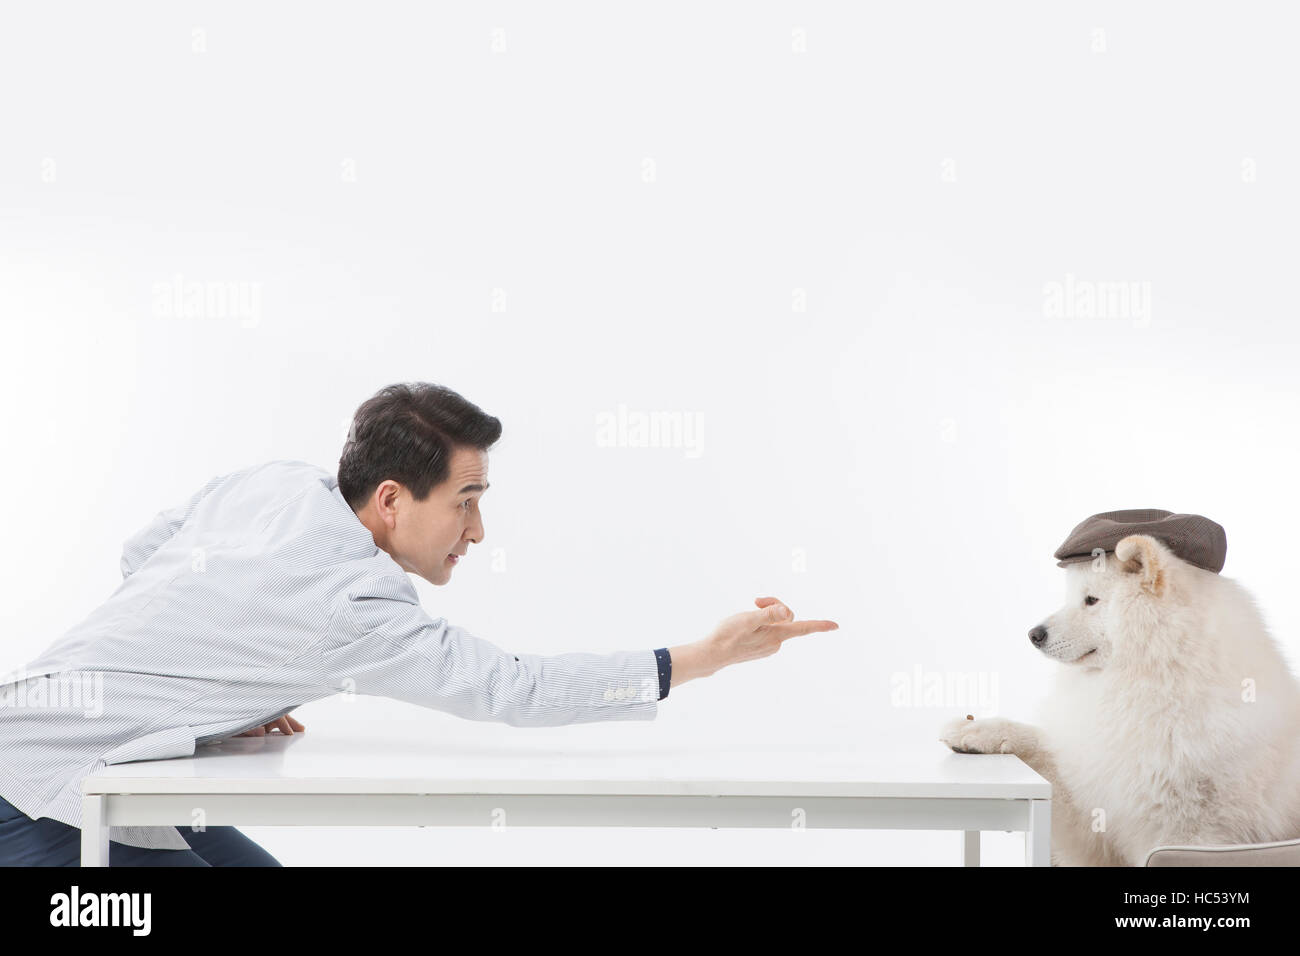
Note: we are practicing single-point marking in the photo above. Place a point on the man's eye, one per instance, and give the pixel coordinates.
(1090, 600)
(465, 504)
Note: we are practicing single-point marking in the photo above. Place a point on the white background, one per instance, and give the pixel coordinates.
(824, 231)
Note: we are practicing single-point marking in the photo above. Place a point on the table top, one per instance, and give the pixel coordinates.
(418, 757)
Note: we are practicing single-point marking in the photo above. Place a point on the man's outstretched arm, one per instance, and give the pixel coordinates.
(384, 643)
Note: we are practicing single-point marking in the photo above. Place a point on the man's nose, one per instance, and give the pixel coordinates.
(1038, 635)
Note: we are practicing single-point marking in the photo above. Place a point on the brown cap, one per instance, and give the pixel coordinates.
(1195, 539)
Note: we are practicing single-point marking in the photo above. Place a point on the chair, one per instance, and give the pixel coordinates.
(1282, 853)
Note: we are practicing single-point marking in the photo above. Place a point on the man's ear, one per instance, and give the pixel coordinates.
(1146, 557)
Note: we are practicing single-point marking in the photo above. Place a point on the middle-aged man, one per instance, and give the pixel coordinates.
(281, 584)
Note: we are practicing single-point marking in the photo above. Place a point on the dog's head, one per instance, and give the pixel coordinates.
(1105, 596)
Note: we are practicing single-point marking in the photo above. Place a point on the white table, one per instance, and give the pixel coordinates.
(422, 775)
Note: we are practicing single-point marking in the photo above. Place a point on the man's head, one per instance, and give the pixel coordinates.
(413, 469)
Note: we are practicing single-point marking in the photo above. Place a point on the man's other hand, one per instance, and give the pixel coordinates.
(285, 724)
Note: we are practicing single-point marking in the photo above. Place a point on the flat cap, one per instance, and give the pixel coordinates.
(1194, 538)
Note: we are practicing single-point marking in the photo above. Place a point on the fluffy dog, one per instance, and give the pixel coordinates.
(1174, 720)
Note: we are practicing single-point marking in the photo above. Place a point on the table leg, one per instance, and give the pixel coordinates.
(1038, 838)
(94, 831)
(970, 848)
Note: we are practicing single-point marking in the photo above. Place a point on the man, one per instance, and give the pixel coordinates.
(281, 584)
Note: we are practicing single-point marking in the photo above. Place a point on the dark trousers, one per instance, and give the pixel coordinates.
(46, 842)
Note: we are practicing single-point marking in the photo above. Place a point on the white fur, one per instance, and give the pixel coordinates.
(1151, 738)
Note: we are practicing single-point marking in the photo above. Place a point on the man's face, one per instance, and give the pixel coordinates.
(423, 536)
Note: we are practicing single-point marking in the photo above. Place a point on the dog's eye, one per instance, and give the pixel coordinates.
(1090, 600)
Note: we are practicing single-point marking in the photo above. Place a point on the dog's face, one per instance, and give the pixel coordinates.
(1100, 595)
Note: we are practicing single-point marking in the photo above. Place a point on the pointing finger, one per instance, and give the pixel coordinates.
(799, 628)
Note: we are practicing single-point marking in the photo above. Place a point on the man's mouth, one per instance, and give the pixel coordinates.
(453, 558)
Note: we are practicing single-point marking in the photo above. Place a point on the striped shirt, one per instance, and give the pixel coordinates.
(263, 592)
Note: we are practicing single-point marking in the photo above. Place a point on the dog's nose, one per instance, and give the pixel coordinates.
(1038, 635)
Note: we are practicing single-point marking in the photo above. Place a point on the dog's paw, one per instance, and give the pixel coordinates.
(992, 735)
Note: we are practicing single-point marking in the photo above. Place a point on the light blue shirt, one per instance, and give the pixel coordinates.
(261, 593)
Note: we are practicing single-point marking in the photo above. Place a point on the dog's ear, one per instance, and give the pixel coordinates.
(1146, 557)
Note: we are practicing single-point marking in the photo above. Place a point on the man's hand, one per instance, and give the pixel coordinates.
(286, 725)
(746, 636)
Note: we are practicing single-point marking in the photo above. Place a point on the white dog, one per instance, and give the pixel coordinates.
(1174, 720)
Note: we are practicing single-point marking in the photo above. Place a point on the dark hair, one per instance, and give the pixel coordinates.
(407, 432)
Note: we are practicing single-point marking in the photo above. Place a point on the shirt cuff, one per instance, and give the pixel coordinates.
(665, 671)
